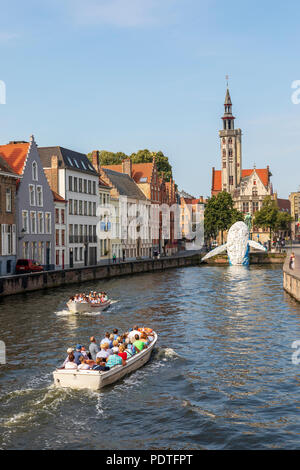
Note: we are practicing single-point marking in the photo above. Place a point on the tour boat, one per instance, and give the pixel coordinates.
(94, 379)
(87, 307)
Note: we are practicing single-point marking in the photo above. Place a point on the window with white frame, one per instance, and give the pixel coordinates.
(39, 196)
(25, 225)
(41, 222)
(32, 195)
(48, 222)
(8, 200)
(33, 221)
(34, 171)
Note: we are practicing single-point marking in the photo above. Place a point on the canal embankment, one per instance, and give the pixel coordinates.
(22, 283)
(291, 277)
(255, 258)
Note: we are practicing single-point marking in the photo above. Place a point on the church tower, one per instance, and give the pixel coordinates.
(231, 149)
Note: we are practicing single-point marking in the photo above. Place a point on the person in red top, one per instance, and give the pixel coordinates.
(122, 353)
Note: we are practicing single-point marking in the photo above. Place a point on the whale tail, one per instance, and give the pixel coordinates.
(215, 252)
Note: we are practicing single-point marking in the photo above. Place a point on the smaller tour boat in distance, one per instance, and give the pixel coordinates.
(88, 303)
(94, 379)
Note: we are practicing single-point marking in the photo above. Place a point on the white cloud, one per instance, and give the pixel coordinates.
(122, 13)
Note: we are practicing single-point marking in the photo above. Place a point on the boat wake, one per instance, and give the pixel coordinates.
(165, 354)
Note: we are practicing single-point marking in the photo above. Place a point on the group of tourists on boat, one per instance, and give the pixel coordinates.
(114, 349)
(92, 298)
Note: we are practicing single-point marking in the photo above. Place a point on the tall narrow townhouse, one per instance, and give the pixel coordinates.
(72, 176)
(8, 185)
(34, 203)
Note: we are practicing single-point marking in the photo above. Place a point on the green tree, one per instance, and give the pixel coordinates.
(284, 220)
(220, 214)
(267, 216)
(142, 156)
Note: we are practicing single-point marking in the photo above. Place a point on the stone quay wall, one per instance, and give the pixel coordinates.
(291, 277)
(17, 284)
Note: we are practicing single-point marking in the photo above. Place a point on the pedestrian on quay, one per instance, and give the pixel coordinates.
(292, 261)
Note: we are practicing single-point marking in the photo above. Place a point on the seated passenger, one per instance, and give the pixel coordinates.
(115, 360)
(144, 338)
(107, 340)
(138, 344)
(100, 365)
(69, 351)
(71, 362)
(105, 352)
(115, 346)
(77, 354)
(132, 333)
(122, 352)
(83, 365)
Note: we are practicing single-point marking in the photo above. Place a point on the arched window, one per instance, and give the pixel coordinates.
(230, 140)
(34, 171)
(254, 192)
(224, 153)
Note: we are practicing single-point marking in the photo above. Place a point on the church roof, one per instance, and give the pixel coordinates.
(262, 173)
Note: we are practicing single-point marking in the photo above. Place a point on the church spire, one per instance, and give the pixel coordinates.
(228, 118)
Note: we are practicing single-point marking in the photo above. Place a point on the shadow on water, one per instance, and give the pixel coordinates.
(221, 377)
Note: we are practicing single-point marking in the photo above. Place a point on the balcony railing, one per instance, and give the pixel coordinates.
(82, 239)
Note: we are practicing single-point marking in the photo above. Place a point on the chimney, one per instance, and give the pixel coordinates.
(96, 160)
(127, 166)
(54, 173)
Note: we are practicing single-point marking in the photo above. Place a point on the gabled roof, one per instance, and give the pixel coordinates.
(67, 159)
(15, 155)
(5, 168)
(262, 173)
(141, 172)
(124, 184)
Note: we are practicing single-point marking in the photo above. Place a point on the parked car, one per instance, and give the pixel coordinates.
(28, 266)
(214, 244)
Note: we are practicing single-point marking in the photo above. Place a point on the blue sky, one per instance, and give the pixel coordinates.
(122, 75)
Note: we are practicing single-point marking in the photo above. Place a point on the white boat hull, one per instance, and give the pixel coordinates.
(95, 380)
(85, 307)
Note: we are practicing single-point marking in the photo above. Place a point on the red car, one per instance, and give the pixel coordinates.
(28, 266)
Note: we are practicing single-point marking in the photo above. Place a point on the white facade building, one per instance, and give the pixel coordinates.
(73, 177)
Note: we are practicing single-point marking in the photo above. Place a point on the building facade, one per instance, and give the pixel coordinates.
(248, 187)
(159, 193)
(34, 203)
(72, 176)
(8, 246)
(133, 214)
(61, 224)
(294, 199)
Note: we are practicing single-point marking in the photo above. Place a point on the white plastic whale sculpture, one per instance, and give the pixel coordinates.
(237, 245)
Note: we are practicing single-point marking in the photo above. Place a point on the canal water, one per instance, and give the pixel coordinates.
(222, 375)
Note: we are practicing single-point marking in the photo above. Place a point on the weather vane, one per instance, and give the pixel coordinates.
(227, 78)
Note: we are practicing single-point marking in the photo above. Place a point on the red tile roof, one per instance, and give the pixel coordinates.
(139, 170)
(57, 197)
(15, 155)
(263, 174)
